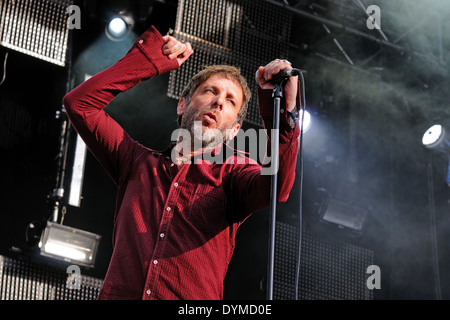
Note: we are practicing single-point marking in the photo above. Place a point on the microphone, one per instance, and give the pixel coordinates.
(284, 74)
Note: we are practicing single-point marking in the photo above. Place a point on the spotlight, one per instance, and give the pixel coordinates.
(69, 244)
(118, 28)
(306, 120)
(436, 138)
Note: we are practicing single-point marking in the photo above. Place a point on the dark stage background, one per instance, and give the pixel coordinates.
(370, 99)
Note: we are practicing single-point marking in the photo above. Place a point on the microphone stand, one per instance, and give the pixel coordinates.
(277, 94)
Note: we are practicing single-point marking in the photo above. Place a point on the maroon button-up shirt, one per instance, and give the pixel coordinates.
(174, 228)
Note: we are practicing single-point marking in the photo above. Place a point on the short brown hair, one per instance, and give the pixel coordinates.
(227, 71)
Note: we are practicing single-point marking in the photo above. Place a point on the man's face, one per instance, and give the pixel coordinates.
(215, 104)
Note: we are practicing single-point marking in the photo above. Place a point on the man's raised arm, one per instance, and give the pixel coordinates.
(151, 55)
(252, 185)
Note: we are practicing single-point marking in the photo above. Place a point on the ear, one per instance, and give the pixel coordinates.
(181, 108)
(233, 131)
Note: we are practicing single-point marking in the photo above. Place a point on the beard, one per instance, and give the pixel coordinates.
(201, 135)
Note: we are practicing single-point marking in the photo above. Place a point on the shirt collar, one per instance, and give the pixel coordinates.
(219, 149)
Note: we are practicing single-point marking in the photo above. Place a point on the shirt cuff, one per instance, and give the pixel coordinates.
(150, 43)
(293, 117)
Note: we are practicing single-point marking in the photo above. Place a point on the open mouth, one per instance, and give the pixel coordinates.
(210, 117)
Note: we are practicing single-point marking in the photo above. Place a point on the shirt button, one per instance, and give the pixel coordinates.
(141, 41)
(148, 292)
(172, 164)
(161, 235)
(282, 110)
(155, 261)
(168, 209)
(176, 184)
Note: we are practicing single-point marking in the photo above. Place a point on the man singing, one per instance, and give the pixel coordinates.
(177, 214)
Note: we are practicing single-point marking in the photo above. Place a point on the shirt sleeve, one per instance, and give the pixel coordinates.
(252, 184)
(84, 105)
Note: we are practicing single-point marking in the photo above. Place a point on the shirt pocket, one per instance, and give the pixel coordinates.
(207, 211)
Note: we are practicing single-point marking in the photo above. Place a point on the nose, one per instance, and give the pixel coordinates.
(218, 102)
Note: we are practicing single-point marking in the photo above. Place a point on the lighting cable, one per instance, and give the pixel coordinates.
(300, 162)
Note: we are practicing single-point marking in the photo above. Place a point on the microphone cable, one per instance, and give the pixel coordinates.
(283, 75)
(300, 162)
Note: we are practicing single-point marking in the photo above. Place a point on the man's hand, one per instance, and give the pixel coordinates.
(175, 49)
(265, 74)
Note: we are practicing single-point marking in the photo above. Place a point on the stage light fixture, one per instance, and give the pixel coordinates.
(68, 244)
(436, 138)
(118, 27)
(343, 213)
